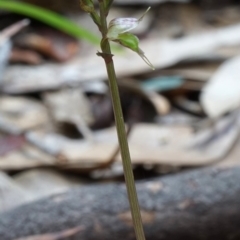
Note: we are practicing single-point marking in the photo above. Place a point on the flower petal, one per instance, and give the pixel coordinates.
(121, 25)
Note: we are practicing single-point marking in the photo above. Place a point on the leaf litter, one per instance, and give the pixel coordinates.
(59, 123)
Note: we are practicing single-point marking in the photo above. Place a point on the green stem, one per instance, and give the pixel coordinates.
(122, 137)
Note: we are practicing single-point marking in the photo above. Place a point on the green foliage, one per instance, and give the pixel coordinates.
(50, 18)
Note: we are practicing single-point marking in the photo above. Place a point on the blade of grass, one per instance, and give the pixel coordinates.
(50, 18)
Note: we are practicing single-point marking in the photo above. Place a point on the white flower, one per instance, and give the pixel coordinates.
(122, 25)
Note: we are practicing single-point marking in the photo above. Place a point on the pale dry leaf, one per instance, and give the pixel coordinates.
(222, 93)
(180, 146)
(164, 53)
(26, 157)
(5, 43)
(41, 183)
(78, 152)
(71, 106)
(19, 114)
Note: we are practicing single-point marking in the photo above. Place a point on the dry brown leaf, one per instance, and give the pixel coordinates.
(25, 56)
(50, 43)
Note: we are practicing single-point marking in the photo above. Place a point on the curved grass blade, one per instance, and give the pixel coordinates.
(50, 18)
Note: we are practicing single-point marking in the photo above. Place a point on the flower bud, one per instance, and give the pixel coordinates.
(108, 4)
(87, 6)
(131, 41)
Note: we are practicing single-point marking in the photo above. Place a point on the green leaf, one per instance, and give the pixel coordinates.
(50, 18)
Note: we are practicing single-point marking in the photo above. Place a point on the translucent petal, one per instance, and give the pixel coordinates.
(121, 25)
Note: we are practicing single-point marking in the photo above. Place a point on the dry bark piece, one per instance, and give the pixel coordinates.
(201, 204)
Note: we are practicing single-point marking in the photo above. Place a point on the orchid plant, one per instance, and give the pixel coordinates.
(118, 31)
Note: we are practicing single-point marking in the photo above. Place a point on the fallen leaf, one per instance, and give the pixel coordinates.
(222, 93)
(26, 157)
(50, 43)
(163, 53)
(25, 56)
(79, 153)
(71, 106)
(11, 143)
(19, 114)
(5, 43)
(180, 146)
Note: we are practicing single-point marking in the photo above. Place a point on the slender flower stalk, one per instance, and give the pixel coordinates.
(118, 33)
(122, 136)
